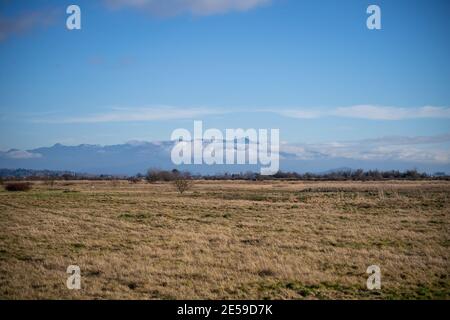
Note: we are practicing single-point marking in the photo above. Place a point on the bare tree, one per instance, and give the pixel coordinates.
(182, 182)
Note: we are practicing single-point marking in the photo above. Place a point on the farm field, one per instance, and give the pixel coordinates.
(226, 240)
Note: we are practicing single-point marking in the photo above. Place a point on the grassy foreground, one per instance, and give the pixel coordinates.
(225, 239)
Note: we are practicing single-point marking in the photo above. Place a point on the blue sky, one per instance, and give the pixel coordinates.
(139, 69)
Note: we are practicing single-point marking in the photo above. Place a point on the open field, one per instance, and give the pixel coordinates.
(226, 239)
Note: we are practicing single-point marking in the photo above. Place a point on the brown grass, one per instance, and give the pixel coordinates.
(255, 240)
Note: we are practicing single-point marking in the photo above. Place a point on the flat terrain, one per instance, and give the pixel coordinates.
(225, 239)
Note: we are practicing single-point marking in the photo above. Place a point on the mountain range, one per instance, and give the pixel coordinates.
(138, 156)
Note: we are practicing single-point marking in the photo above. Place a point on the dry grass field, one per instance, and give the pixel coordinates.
(225, 239)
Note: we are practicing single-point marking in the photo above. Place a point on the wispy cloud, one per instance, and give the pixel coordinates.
(137, 114)
(392, 113)
(24, 22)
(370, 112)
(402, 140)
(421, 149)
(195, 7)
(20, 154)
(158, 113)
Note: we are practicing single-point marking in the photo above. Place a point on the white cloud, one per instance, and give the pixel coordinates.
(391, 113)
(401, 140)
(370, 112)
(300, 113)
(137, 114)
(20, 154)
(431, 149)
(195, 7)
(173, 113)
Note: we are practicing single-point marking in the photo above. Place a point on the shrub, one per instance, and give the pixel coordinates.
(183, 182)
(18, 186)
(154, 175)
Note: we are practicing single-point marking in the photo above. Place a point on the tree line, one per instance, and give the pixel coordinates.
(155, 175)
